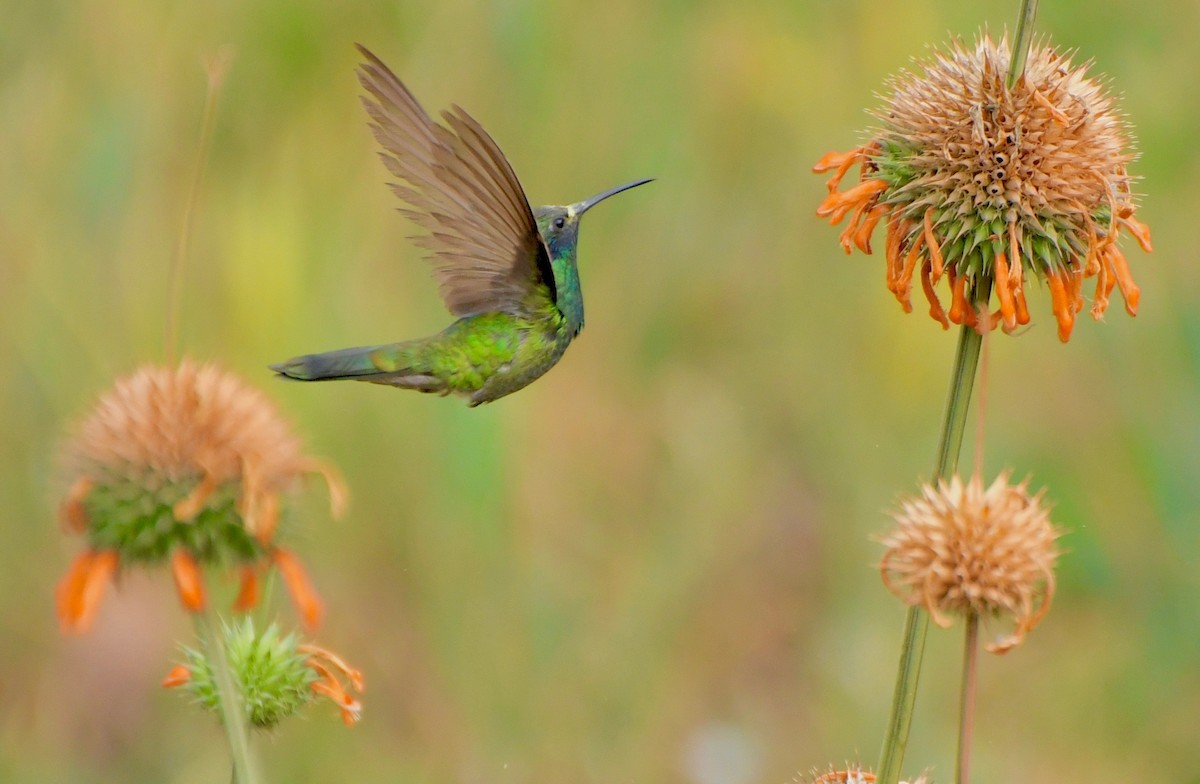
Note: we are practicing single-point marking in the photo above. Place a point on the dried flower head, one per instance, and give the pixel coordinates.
(276, 675)
(991, 186)
(186, 465)
(851, 775)
(959, 548)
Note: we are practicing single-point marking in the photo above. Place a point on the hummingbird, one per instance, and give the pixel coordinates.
(508, 272)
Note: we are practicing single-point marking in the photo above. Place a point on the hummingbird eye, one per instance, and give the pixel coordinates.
(559, 222)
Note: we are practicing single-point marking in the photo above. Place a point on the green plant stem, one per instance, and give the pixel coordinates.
(966, 700)
(916, 625)
(912, 649)
(233, 716)
(1021, 41)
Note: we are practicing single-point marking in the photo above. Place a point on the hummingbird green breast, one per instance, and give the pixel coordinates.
(507, 271)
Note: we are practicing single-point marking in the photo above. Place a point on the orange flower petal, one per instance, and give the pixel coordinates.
(1140, 232)
(1100, 301)
(1061, 303)
(320, 654)
(836, 160)
(104, 566)
(895, 230)
(904, 281)
(1015, 272)
(935, 252)
(846, 238)
(304, 596)
(266, 517)
(78, 595)
(72, 513)
(351, 709)
(178, 676)
(1008, 309)
(958, 298)
(338, 495)
(862, 237)
(1022, 306)
(249, 593)
(935, 305)
(187, 509)
(188, 580)
(842, 161)
(1120, 270)
(1075, 290)
(837, 204)
(66, 593)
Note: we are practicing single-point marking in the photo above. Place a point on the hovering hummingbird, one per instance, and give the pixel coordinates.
(507, 271)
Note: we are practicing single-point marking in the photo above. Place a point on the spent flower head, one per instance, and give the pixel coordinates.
(275, 674)
(851, 775)
(991, 186)
(187, 465)
(960, 548)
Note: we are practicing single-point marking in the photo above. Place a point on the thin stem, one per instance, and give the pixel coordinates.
(981, 408)
(966, 704)
(233, 716)
(1021, 41)
(962, 384)
(916, 625)
(912, 649)
(215, 68)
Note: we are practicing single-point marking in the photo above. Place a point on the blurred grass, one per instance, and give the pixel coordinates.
(666, 540)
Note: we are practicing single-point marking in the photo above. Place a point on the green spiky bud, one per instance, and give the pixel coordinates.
(275, 674)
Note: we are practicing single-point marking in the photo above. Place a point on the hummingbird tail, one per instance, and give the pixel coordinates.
(395, 365)
(343, 363)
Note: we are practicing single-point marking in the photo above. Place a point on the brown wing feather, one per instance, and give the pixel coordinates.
(484, 243)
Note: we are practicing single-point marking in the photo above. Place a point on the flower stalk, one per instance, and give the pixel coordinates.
(1021, 39)
(916, 624)
(233, 714)
(966, 709)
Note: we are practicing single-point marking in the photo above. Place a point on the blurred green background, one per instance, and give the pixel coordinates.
(655, 564)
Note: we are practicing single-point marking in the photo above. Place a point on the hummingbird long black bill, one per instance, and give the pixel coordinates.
(587, 204)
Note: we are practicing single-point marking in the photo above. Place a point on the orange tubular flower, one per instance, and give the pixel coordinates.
(994, 185)
(329, 666)
(304, 596)
(79, 592)
(351, 709)
(249, 592)
(178, 676)
(188, 580)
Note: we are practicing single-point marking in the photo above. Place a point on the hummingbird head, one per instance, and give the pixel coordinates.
(559, 226)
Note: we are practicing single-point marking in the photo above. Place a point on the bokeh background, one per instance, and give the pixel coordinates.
(655, 564)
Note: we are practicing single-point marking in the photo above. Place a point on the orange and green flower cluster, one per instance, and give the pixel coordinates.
(276, 676)
(187, 465)
(990, 186)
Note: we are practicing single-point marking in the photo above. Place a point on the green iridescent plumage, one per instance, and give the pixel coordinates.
(507, 271)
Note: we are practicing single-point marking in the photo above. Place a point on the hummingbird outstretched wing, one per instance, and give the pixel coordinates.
(484, 242)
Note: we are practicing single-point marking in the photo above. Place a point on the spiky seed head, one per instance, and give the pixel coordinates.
(992, 186)
(187, 464)
(275, 674)
(960, 548)
(850, 775)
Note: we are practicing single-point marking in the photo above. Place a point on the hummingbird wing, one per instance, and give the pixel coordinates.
(484, 242)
